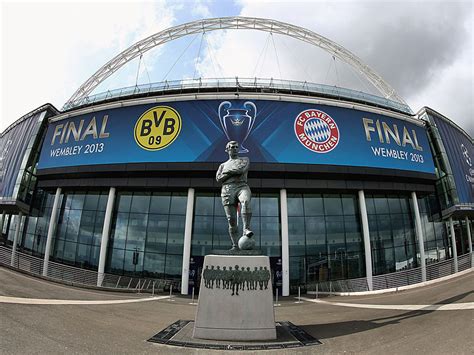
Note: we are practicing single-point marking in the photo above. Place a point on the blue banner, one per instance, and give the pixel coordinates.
(268, 132)
(460, 151)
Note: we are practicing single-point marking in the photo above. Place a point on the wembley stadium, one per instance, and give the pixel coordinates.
(350, 191)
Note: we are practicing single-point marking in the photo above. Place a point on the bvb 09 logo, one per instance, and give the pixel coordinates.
(157, 128)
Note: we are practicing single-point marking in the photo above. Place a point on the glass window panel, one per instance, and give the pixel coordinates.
(405, 204)
(86, 228)
(296, 236)
(384, 227)
(98, 227)
(295, 205)
(160, 203)
(102, 203)
(349, 205)
(173, 266)
(61, 227)
(136, 231)
(335, 230)
(78, 201)
(82, 255)
(219, 209)
(270, 236)
(91, 201)
(255, 205)
(119, 231)
(369, 202)
(381, 204)
(67, 200)
(202, 238)
(332, 205)
(313, 205)
(175, 235)
(58, 249)
(394, 204)
(115, 261)
(69, 252)
(353, 233)
(178, 204)
(157, 233)
(94, 257)
(204, 205)
(124, 201)
(269, 206)
(221, 239)
(140, 202)
(154, 265)
(128, 265)
(73, 222)
(28, 241)
(31, 225)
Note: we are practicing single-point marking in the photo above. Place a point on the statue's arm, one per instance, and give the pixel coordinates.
(220, 175)
(240, 168)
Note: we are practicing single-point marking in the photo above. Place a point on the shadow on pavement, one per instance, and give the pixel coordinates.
(333, 330)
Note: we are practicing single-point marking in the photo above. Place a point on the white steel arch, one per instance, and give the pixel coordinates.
(237, 22)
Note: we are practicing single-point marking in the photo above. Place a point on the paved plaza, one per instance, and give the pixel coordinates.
(41, 317)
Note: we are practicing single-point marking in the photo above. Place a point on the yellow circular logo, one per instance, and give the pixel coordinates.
(157, 128)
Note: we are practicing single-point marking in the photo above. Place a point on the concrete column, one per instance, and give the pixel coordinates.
(469, 240)
(285, 249)
(453, 244)
(105, 236)
(419, 234)
(2, 221)
(51, 231)
(366, 235)
(188, 229)
(15, 238)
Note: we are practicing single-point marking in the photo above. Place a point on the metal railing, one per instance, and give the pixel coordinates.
(395, 279)
(83, 277)
(223, 84)
(77, 276)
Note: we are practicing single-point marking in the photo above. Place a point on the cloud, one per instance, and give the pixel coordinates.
(423, 49)
(57, 46)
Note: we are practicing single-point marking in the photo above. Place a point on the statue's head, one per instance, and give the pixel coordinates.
(232, 148)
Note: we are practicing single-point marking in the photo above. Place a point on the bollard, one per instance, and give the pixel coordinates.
(299, 293)
(153, 289)
(192, 299)
(276, 299)
(171, 291)
(317, 290)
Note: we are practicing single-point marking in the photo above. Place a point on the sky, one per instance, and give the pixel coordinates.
(423, 49)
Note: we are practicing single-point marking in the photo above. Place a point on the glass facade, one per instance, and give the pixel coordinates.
(147, 234)
(392, 233)
(325, 239)
(325, 233)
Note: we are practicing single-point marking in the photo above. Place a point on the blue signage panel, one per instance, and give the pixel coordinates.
(460, 151)
(13, 144)
(268, 131)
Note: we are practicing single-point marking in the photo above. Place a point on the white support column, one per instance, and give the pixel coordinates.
(51, 231)
(366, 235)
(105, 236)
(453, 244)
(3, 220)
(285, 249)
(188, 229)
(469, 240)
(15, 238)
(419, 235)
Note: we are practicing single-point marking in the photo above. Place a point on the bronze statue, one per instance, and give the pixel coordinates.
(233, 176)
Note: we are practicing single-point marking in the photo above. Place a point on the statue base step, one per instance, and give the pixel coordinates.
(235, 299)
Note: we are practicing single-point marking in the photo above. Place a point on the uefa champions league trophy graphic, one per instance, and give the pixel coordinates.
(237, 122)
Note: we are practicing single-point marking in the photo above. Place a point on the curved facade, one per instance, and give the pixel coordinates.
(346, 185)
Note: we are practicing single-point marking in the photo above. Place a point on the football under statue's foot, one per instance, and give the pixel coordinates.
(248, 233)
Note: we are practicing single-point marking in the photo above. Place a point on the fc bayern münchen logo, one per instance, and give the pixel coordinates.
(317, 131)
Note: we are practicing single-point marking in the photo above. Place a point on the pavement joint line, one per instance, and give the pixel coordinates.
(402, 307)
(44, 301)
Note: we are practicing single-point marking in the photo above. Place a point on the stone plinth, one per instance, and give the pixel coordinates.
(235, 303)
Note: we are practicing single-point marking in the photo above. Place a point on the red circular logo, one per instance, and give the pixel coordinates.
(316, 131)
